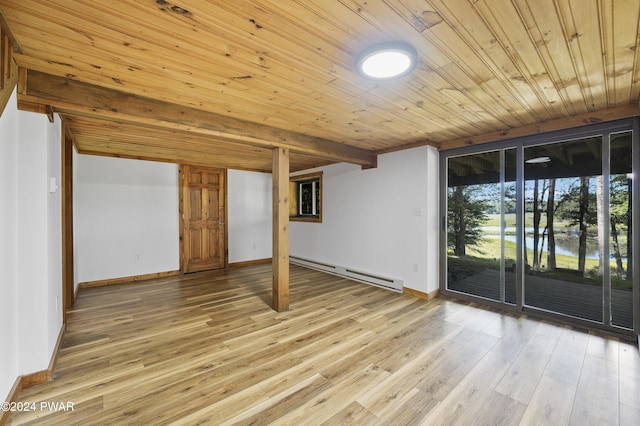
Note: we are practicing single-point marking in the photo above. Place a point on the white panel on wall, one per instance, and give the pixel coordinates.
(249, 215)
(33, 242)
(30, 243)
(8, 246)
(126, 218)
(54, 230)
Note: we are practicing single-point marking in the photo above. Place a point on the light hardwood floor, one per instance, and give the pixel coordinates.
(206, 348)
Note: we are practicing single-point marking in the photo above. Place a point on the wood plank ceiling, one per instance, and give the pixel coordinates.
(222, 83)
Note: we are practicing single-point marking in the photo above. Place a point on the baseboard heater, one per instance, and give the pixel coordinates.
(364, 277)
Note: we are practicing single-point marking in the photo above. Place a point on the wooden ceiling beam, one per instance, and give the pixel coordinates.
(199, 160)
(76, 98)
(111, 138)
(548, 126)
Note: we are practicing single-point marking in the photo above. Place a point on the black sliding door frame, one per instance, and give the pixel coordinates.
(604, 130)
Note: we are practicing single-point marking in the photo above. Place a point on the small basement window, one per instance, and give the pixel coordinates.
(305, 198)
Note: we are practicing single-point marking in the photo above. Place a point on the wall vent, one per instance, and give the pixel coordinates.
(364, 277)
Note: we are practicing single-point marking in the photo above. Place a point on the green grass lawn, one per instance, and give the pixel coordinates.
(490, 248)
(487, 253)
(493, 220)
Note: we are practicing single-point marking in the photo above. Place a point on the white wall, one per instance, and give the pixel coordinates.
(382, 221)
(39, 241)
(31, 286)
(249, 215)
(128, 207)
(126, 218)
(8, 244)
(53, 179)
(369, 222)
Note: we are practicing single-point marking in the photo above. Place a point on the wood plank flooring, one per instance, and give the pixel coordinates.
(207, 348)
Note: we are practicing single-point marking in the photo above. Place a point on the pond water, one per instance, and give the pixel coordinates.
(566, 243)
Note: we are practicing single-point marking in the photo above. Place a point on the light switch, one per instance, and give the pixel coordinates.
(53, 185)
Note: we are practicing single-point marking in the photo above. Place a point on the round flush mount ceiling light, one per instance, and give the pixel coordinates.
(386, 60)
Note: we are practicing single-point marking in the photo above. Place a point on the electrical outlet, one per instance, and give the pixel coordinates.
(417, 211)
(137, 257)
(415, 267)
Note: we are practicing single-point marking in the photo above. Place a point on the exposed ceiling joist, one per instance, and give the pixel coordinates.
(106, 104)
(93, 136)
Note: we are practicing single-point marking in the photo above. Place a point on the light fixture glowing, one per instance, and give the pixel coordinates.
(538, 160)
(387, 60)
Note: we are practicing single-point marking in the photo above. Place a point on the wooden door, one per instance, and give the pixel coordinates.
(204, 217)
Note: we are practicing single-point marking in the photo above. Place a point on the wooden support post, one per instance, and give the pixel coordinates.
(280, 174)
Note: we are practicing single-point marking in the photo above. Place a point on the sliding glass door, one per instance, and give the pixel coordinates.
(481, 217)
(564, 220)
(546, 224)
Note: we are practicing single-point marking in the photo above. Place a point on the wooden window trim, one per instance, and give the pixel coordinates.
(293, 198)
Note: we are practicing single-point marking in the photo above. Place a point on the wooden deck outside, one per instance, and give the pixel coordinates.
(207, 348)
(565, 297)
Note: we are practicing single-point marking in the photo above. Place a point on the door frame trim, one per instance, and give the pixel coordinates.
(69, 290)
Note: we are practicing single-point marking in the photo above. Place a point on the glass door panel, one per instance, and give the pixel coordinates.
(564, 223)
(509, 222)
(620, 240)
(480, 211)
